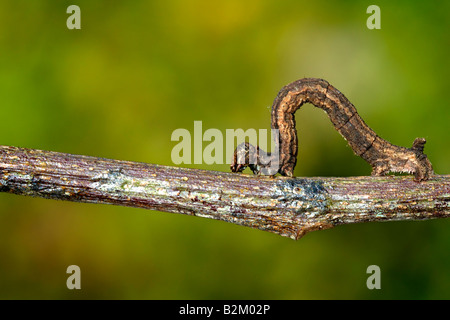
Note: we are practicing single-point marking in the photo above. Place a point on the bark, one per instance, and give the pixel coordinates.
(290, 207)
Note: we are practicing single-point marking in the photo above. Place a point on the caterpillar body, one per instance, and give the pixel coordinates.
(383, 156)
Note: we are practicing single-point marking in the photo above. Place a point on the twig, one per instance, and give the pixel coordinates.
(290, 207)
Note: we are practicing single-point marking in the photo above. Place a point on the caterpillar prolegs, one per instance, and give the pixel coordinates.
(383, 156)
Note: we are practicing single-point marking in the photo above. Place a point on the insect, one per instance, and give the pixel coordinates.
(383, 156)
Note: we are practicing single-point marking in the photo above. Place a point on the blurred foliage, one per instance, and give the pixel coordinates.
(137, 70)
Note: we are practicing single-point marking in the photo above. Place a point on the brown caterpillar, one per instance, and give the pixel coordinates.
(383, 156)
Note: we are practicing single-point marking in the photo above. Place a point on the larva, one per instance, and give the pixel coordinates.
(383, 156)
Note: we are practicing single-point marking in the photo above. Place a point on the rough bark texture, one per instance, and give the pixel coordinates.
(287, 206)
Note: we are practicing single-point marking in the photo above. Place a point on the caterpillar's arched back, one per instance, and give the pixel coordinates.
(383, 156)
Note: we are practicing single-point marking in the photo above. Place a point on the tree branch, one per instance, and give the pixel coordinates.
(290, 207)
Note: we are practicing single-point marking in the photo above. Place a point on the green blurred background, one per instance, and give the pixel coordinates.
(137, 70)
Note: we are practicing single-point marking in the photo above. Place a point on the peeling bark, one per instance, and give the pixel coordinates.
(290, 207)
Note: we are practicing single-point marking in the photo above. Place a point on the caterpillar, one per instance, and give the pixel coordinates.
(382, 156)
